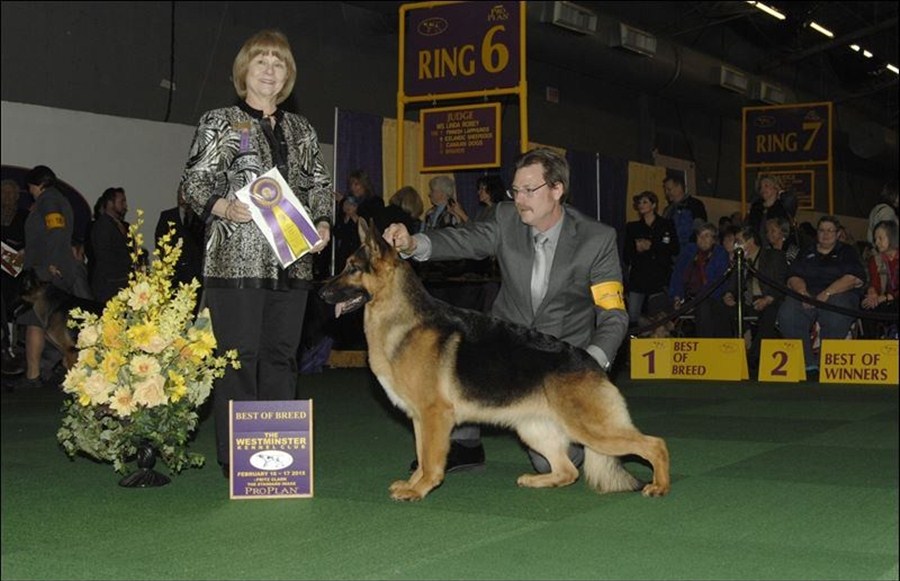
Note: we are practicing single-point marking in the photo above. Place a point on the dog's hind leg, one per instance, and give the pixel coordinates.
(546, 438)
(432, 445)
(596, 416)
(604, 471)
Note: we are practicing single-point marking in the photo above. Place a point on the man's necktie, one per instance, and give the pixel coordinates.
(540, 271)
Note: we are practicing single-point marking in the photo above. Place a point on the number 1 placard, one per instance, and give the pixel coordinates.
(651, 358)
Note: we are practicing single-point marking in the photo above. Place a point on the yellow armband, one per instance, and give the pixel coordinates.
(54, 220)
(609, 295)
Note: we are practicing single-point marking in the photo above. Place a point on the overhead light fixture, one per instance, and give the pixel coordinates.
(867, 54)
(892, 68)
(768, 10)
(574, 17)
(733, 80)
(854, 47)
(819, 28)
(635, 40)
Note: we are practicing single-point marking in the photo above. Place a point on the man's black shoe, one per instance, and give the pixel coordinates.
(460, 459)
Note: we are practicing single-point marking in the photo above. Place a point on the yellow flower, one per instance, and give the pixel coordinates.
(88, 358)
(111, 365)
(150, 392)
(143, 365)
(122, 402)
(74, 380)
(179, 387)
(112, 334)
(204, 343)
(146, 337)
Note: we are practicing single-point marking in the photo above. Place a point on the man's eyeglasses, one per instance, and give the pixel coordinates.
(529, 192)
(827, 230)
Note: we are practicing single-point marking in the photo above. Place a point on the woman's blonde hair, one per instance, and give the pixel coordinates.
(271, 42)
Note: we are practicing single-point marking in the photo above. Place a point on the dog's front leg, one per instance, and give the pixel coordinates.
(432, 432)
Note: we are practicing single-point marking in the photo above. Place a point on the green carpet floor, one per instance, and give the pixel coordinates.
(770, 481)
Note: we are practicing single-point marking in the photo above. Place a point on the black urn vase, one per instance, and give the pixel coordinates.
(145, 476)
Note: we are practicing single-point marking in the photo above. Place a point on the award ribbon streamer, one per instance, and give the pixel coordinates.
(289, 229)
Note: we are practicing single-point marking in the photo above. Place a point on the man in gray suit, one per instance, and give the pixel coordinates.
(560, 273)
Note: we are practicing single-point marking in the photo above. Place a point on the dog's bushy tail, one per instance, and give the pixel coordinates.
(606, 473)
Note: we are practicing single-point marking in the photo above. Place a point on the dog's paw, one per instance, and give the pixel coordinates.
(655, 490)
(405, 493)
(399, 484)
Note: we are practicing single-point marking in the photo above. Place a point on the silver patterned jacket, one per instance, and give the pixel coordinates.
(229, 151)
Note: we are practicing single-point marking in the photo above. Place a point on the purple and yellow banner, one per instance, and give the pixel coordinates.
(787, 134)
(280, 216)
(461, 47)
(465, 137)
(271, 449)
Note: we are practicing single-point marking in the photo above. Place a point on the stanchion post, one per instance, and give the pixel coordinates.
(739, 267)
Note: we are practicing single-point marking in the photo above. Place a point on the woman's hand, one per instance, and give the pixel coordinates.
(232, 210)
(324, 231)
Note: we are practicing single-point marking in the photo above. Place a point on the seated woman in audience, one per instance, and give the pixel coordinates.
(700, 265)
(881, 296)
(759, 298)
(778, 237)
(829, 272)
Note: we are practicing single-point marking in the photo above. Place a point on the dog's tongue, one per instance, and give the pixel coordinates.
(339, 309)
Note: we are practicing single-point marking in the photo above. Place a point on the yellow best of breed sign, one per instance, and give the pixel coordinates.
(710, 359)
(858, 361)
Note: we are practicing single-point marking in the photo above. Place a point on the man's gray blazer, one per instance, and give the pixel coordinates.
(586, 256)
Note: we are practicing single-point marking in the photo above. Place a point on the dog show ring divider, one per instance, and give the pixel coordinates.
(710, 359)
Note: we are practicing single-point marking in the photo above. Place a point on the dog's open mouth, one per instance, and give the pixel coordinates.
(350, 305)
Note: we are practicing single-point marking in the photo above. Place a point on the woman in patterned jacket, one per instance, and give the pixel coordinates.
(257, 306)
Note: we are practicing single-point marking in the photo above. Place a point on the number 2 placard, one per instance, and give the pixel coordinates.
(782, 360)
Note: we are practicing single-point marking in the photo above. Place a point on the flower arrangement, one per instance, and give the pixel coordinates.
(144, 366)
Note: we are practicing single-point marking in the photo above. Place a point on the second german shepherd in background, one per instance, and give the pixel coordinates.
(444, 365)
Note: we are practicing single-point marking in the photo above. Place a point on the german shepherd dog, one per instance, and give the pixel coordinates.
(444, 365)
(51, 305)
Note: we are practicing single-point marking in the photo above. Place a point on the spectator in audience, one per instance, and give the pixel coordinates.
(767, 205)
(829, 272)
(109, 241)
(370, 204)
(886, 210)
(442, 193)
(727, 239)
(651, 244)
(346, 232)
(760, 299)
(881, 296)
(12, 231)
(190, 229)
(405, 207)
(778, 232)
(491, 191)
(684, 210)
(700, 265)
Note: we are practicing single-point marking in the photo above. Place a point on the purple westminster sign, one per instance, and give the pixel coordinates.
(271, 446)
(461, 47)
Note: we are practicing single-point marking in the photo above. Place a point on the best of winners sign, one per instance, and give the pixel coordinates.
(271, 449)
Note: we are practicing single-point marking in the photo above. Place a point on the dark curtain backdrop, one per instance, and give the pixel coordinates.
(613, 193)
(358, 146)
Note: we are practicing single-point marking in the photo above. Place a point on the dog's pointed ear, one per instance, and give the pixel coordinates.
(372, 238)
